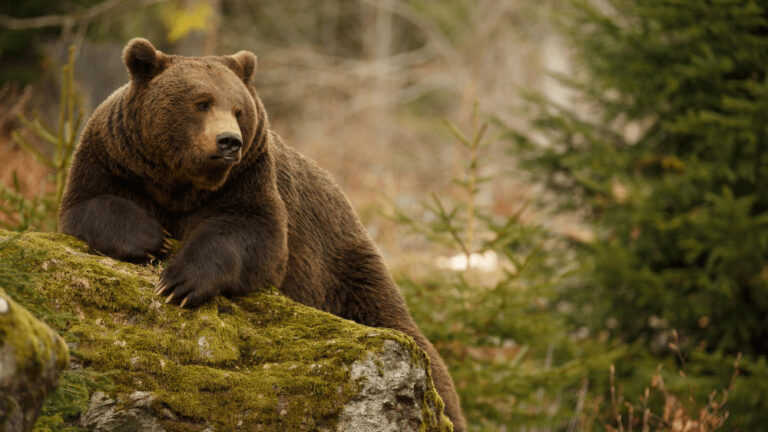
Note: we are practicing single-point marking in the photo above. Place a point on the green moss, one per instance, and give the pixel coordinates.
(54, 423)
(33, 343)
(33, 356)
(430, 419)
(258, 362)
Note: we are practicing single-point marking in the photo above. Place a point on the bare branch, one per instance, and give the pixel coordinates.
(82, 16)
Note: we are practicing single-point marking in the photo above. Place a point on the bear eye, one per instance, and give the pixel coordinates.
(238, 113)
(204, 106)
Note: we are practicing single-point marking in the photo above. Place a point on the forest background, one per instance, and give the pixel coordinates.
(571, 194)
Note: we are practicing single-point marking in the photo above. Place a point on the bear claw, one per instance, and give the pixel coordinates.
(160, 287)
(170, 297)
(167, 246)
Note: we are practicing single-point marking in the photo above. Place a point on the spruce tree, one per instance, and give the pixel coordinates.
(664, 148)
(680, 208)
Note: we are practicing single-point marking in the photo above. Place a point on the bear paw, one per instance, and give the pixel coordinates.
(183, 285)
(147, 242)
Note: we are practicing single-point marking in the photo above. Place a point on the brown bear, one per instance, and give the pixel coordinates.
(185, 150)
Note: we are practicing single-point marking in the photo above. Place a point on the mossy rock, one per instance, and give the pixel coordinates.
(260, 362)
(31, 357)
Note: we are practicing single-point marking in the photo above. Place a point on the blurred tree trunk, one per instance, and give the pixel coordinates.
(377, 38)
(212, 29)
(330, 15)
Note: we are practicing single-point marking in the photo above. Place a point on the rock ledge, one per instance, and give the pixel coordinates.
(257, 363)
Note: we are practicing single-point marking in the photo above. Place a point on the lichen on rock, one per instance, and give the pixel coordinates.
(390, 396)
(107, 414)
(260, 362)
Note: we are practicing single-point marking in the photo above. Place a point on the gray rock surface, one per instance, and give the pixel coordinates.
(391, 394)
(105, 414)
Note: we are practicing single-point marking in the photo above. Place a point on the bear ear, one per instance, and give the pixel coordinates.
(247, 62)
(142, 59)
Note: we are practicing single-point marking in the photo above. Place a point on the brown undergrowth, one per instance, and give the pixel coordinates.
(24, 204)
(674, 413)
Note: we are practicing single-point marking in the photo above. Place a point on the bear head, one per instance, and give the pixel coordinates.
(196, 116)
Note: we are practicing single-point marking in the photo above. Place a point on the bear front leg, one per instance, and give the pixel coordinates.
(225, 255)
(116, 227)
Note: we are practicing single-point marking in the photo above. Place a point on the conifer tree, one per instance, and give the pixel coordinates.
(680, 209)
(664, 148)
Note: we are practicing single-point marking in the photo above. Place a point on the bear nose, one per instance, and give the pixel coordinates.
(229, 142)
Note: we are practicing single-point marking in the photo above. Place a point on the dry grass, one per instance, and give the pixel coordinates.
(677, 415)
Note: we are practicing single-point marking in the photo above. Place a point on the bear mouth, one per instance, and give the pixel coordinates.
(230, 159)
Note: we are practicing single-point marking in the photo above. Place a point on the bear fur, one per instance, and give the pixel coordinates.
(151, 165)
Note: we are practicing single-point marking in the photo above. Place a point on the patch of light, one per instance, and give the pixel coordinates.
(487, 261)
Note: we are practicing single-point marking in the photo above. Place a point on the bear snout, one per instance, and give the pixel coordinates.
(229, 145)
